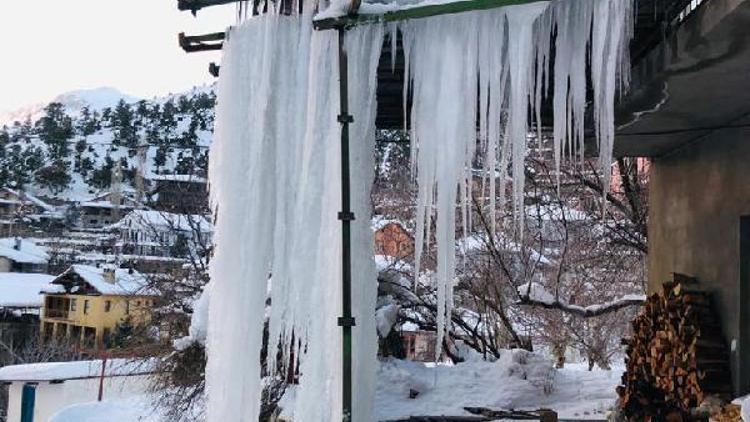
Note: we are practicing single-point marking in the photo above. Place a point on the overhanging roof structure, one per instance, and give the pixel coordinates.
(689, 60)
(693, 83)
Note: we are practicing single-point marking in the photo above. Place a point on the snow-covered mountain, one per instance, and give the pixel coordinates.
(69, 155)
(73, 101)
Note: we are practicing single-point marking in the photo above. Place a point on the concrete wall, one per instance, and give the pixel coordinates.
(697, 197)
(51, 398)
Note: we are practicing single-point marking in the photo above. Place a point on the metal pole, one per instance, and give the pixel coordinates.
(346, 321)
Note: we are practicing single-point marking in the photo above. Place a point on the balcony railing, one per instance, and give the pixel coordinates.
(56, 313)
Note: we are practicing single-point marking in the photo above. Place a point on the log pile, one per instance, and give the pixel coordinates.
(676, 357)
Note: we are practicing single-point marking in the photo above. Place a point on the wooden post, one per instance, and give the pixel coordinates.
(546, 415)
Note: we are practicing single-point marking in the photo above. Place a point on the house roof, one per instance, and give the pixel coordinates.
(28, 252)
(188, 178)
(25, 197)
(127, 282)
(103, 204)
(163, 221)
(22, 290)
(31, 198)
(61, 371)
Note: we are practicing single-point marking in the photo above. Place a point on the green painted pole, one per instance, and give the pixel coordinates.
(346, 321)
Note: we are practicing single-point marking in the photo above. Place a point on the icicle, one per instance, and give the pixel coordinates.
(275, 179)
(521, 63)
(503, 68)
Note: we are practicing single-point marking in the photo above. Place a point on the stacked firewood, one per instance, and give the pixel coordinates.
(676, 357)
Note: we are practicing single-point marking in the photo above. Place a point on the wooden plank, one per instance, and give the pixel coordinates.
(205, 42)
(415, 13)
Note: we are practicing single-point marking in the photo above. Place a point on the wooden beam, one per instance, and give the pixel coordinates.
(206, 42)
(196, 5)
(415, 13)
(213, 69)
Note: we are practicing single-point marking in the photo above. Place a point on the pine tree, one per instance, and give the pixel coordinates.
(55, 128)
(54, 177)
(123, 125)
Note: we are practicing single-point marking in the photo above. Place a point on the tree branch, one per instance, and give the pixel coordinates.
(585, 311)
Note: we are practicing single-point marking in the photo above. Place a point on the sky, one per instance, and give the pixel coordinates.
(48, 47)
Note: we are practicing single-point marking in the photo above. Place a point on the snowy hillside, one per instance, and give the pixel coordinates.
(67, 149)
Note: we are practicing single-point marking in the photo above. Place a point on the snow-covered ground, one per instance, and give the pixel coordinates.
(518, 380)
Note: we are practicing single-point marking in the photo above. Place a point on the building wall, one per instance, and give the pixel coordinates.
(138, 308)
(697, 196)
(393, 240)
(51, 398)
(5, 264)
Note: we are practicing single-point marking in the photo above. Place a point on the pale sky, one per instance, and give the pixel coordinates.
(48, 47)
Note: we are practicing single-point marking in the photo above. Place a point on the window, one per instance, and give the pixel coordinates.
(86, 307)
(72, 305)
(107, 305)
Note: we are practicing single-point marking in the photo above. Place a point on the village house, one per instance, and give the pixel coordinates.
(22, 256)
(86, 304)
(419, 345)
(179, 193)
(38, 391)
(20, 302)
(160, 233)
(18, 209)
(104, 209)
(392, 239)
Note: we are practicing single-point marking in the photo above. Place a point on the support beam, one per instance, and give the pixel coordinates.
(415, 13)
(207, 42)
(195, 5)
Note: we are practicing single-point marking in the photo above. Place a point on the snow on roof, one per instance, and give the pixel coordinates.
(127, 282)
(103, 204)
(31, 198)
(178, 178)
(133, 408)
(51, 371)
(379, 222)
(127, 193)
(22, 290)
(163, 221)
(28, 252)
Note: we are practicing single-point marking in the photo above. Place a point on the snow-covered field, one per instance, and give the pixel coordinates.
(518, 380)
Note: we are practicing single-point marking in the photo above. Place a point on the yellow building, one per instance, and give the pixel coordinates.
(85, 304)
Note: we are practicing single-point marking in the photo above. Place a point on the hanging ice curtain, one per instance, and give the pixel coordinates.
(275, 182)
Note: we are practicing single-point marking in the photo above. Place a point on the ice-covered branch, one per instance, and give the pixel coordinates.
(535, 295)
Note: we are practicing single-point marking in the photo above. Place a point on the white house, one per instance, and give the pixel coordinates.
(148, 232)
(40, 390)
(22, 255)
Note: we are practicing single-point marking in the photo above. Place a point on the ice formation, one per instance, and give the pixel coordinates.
(275, 166)
(275, 182)
(504, 52)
